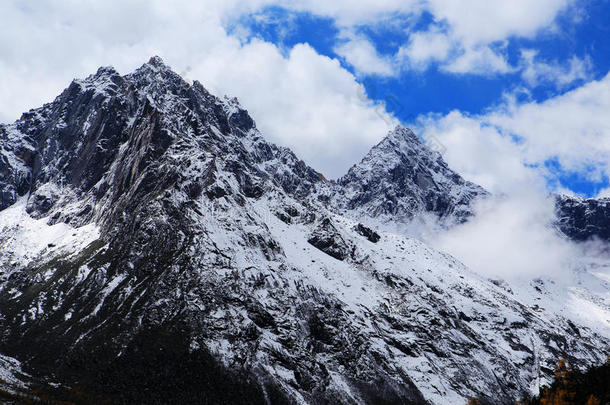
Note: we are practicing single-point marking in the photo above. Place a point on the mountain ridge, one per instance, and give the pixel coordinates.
(161, 215)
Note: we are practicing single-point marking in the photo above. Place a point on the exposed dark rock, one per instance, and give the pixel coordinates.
(327, 238)
(284, 217)
(368, 233)
(583, 219)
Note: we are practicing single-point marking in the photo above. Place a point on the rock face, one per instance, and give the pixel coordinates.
(368, 233)
(400, 178)
(583, 219)
(329, 240)
(17, 157)
(156, 249)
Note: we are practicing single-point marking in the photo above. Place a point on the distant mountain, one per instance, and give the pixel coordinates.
(156, 249)
(584, 218)
(401, 178)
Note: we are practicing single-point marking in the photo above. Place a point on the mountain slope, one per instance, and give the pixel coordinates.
(155, 249)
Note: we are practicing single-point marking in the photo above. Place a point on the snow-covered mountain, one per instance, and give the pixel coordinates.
(583, 219)
(155, 248)
(401, 178)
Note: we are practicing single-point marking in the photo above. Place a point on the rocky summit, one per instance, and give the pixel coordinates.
(154, 248)
(401, 178)
(584, 219)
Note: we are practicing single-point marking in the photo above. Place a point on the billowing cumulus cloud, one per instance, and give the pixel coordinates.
(304, 100)
(299, 98)
(483, 22)
(574, 128)
(505, 150)
(474, 25)
(510, 143)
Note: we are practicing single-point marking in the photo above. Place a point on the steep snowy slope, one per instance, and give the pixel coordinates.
(393, 314)
(154, 248)
(11, 377)
(451, 331)
(581, 295)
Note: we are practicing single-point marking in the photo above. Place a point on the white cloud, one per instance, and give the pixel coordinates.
(300, 99)
(480, 152)
(363, 56)
(470, 21)
(465, 35)
(535, 72)
(573, 127)
(509, 145)
(512, 234)
(305, 101)
(478, 60)
(348, 13)
(451, 54)
(604, 193)
(511, 238)
(425, 47)
(484, 22)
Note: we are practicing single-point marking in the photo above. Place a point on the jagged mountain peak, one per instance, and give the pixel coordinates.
(105, 82)
(157, 62)
(154, 66)
(400, 146)
(105, 71)
(400, 136)
(154, 79)
(75, 141)
(401, 177)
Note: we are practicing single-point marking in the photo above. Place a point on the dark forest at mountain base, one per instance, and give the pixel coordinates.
(590, 387)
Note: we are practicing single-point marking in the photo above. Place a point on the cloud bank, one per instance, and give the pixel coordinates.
(505, 150)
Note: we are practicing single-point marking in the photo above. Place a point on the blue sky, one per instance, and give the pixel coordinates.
(581, 32)
(586, 37)
(515, 94)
